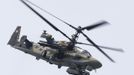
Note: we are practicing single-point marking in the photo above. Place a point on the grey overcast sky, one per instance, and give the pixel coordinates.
(120, 33)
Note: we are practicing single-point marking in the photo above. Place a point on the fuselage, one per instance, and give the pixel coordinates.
(71, 58)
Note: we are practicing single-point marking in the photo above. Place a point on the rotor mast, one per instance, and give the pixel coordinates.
(74, 39)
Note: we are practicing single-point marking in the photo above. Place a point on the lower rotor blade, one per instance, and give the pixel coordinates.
(97, 47)
(104, 47)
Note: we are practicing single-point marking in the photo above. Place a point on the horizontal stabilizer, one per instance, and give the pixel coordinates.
(15, 36)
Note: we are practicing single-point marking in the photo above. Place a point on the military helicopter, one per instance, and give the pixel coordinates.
(61, 53)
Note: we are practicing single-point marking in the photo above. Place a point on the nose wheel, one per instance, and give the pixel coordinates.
(83, 73)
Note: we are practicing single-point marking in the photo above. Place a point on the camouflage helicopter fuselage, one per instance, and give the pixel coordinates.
(78, 61)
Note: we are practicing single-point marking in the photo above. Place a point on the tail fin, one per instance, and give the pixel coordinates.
(15, 36)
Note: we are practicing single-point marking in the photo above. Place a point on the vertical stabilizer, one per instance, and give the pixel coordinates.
(15, 36)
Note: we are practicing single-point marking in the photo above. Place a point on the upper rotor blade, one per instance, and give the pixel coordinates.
(97, 47)
(94, 25)
(44, 19)
(104, 47)
(49, 13)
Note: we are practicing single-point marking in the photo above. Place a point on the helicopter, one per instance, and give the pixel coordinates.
(61, 53)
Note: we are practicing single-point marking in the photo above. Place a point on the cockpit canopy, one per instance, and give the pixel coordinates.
(85, 52)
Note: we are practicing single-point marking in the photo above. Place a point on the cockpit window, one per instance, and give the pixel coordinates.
(86, 53)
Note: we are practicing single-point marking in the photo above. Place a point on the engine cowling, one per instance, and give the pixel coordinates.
(72, 71)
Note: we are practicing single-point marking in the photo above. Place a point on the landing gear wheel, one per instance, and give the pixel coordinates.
(86, 73)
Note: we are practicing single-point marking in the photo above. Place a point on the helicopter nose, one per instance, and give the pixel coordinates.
(95, 63)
